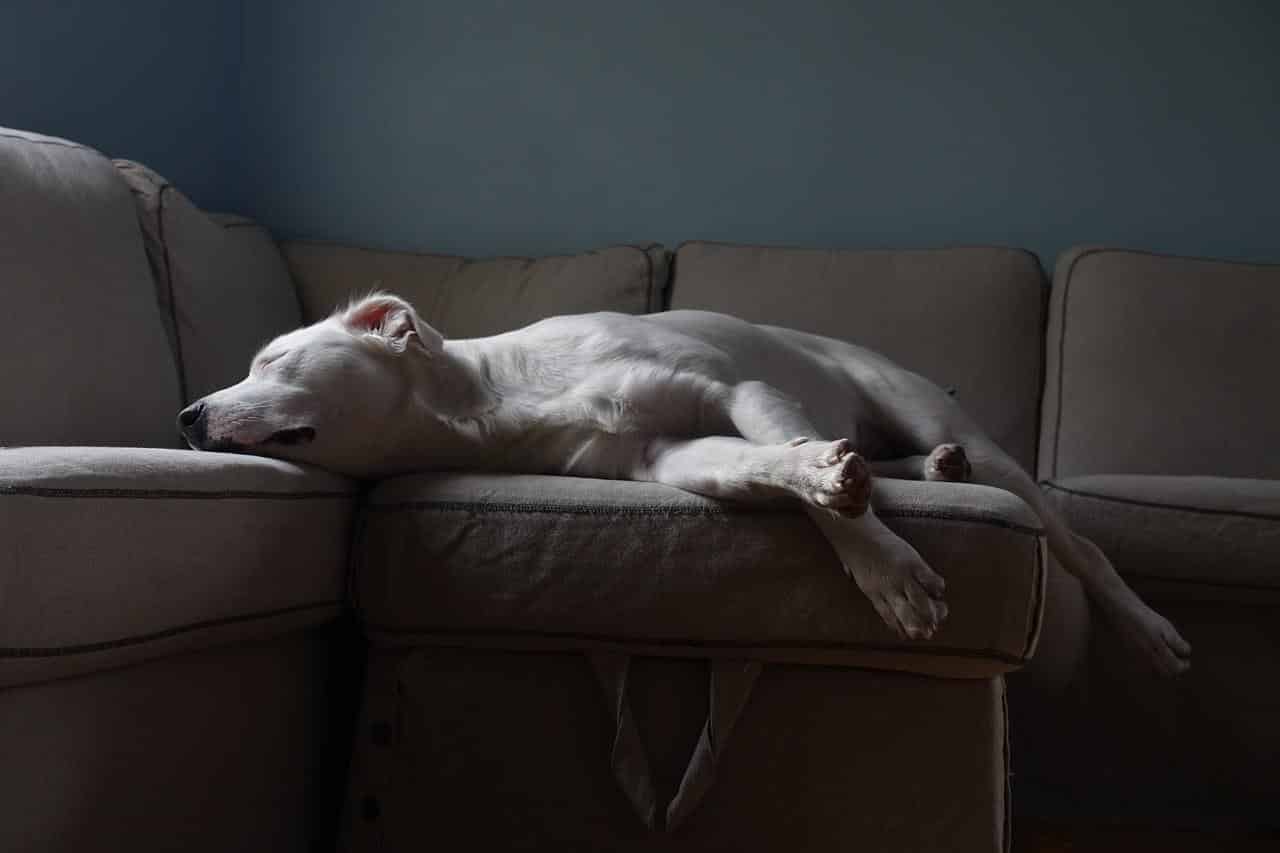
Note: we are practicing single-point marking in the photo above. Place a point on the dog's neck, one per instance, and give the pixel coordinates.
(451, 406)
(453, 382)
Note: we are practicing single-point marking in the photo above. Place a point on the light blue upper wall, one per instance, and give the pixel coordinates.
(482, 126)
(149, 80)
(527, 127)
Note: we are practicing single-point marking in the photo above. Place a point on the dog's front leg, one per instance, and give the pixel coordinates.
(819, 474)
(901, 586)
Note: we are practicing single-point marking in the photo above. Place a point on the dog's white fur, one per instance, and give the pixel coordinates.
(696, 400)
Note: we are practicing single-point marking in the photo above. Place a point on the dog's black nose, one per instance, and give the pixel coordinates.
(190, 415)
(191, 423)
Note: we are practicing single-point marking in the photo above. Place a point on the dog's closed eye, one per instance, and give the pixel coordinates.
(296, 435)
(267, 360)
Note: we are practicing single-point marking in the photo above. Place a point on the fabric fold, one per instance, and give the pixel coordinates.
(730, 687)
(627, 758)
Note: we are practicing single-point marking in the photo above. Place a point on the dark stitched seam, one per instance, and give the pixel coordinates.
(229, 225)
(1046, 298)
(669, 290)
(59, 144)
(563, 509)
(173, 305)
(623, 639)
(1007, 843)
(988, 521)
(870, 249)
(1214, 582)
(467, 259)
(1037, 609)
(161, 494)
(84, 648)
(1062, 347)
(1093, 250)
(649, 291)
(1156, 505)
(658, 511)
(648, 259)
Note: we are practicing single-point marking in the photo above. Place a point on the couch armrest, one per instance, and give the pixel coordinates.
(110, 556)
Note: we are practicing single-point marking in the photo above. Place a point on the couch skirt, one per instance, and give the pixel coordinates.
(470, 748)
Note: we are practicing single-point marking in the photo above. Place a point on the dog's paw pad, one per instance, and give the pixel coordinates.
(831, 475)
(948, 463)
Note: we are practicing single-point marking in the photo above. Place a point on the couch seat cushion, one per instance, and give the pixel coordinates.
(558, 562)
(108, 556)
(1205, 536)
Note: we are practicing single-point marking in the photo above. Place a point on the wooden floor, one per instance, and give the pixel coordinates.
(1034, 836)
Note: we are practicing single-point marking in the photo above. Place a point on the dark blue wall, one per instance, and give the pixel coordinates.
(486, 126)
(149, 80)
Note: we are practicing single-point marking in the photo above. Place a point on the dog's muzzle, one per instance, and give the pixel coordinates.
(193, 426)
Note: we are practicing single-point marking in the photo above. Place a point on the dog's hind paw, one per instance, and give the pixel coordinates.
(948, 463)
(1155, 638)
(830, 475)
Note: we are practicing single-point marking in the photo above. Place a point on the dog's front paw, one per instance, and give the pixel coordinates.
(906, 593)
(830, 475)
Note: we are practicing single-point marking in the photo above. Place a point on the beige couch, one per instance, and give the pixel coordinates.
(1159, 442)
(551, 662)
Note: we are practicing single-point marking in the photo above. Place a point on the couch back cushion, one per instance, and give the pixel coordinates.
(83, 358)
(466, 297)
(970, 319)
(220, 280)
(1161, 365)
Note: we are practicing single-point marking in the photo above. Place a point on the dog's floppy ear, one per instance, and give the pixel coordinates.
(393, 318)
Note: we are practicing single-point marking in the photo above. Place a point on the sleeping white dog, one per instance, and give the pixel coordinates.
(699, 401)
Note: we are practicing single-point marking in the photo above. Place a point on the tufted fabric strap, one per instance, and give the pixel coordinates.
(730, 686)
(627, 757)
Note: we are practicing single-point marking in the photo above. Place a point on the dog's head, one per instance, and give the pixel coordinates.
(331, 394)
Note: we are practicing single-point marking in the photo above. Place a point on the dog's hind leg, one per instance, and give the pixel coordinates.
(1153, 635)
(904, 590)
(924, 416)
(948, 463)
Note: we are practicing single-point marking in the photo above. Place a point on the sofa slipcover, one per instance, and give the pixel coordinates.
(465, 297)
(511, 750)
(215, 749)
(1196, 750)
(1203, 537)
(1161, 365)
(969, 319)
(110, 556)
(555, 562)
(220, 281)
(83, 357)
